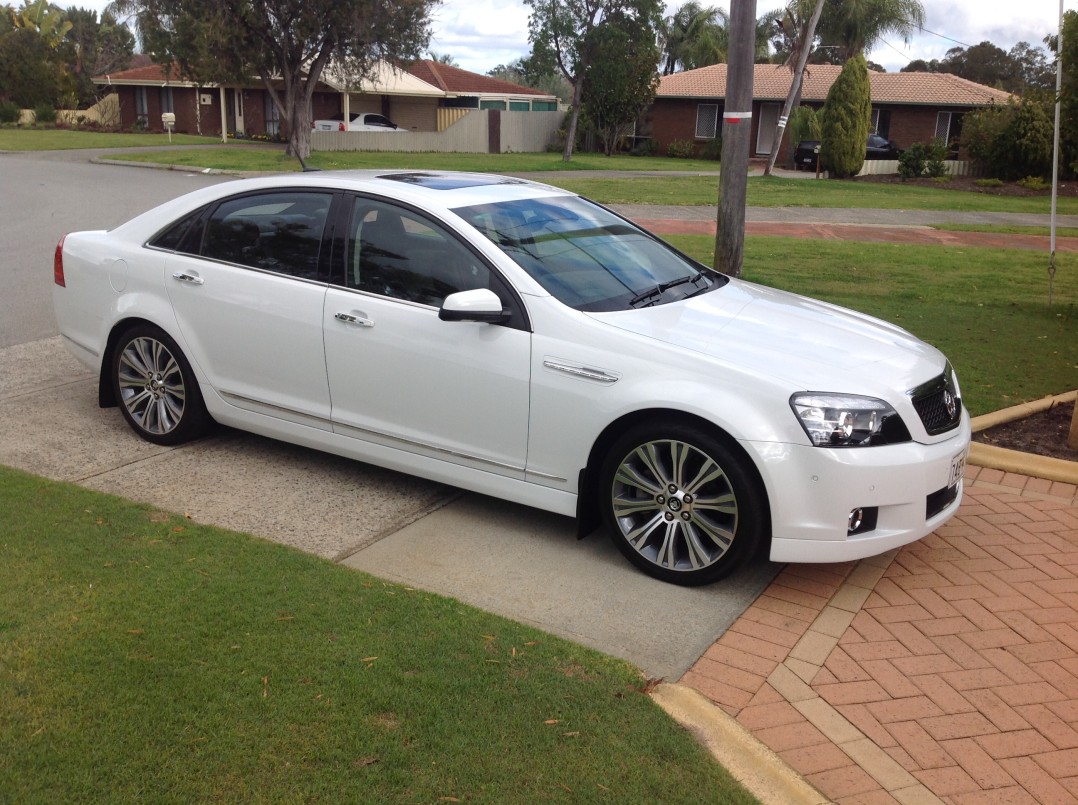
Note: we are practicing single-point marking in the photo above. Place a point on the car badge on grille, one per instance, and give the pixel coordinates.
(949, 401)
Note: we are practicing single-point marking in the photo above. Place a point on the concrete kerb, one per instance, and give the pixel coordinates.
(998, 458)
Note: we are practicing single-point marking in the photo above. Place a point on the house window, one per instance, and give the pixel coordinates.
(707, 121)
(142, 108)
(492, 104)
(544, 106)
(167, 100)
(273, 117)
(881, 122)
(519, 106)
(949, 129)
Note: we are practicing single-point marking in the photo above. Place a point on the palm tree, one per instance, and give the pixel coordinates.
(694, 36)
(856, 26)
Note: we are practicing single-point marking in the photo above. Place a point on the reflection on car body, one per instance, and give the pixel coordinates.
(516, 340)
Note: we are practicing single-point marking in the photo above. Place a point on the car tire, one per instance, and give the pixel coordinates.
(681, 504)
(156, 389)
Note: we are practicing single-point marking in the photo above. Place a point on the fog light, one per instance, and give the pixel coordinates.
(862, 520)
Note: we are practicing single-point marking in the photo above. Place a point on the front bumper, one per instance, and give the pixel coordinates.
(812, 491)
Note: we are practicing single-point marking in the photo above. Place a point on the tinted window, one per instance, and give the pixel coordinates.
(179, 236)
(280, 232)
(397, 253)
(587, 257)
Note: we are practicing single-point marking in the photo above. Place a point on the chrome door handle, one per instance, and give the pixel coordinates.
(183, 276)
(349, 318)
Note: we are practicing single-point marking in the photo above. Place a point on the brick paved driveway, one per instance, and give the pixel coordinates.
(945, 671)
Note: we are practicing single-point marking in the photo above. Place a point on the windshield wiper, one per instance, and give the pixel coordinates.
(662, 288)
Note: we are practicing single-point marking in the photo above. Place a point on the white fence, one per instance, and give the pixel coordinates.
(880, 167)
(478, 132)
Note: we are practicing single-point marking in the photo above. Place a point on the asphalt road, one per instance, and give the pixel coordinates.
(518, 562)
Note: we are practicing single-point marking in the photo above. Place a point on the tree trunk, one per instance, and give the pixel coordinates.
(574, 117)
(794, 95)
(736, 136)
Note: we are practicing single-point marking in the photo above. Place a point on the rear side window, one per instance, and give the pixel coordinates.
(279, 232)
(180, 236)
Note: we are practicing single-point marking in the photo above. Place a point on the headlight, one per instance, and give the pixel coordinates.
(848, 420)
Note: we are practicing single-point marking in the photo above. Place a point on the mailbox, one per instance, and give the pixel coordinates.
(168, 120)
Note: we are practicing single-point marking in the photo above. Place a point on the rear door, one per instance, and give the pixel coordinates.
(249, 303)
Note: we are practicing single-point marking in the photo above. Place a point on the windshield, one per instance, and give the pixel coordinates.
(587, 257)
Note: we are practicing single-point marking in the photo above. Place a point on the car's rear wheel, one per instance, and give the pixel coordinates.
(156, 389)
(681, 504)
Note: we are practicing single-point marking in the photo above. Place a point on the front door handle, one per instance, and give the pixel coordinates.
(354, 318)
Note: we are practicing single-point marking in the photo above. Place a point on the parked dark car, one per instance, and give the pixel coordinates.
(877, 147)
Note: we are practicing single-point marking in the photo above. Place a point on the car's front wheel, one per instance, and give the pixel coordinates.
(156, 389)
(680, 504)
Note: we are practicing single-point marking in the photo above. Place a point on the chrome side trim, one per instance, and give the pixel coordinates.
(249, 404)
(354, 431)
(548, 477)
(585, 372)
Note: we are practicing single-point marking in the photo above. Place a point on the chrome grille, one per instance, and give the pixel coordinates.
(937, 404)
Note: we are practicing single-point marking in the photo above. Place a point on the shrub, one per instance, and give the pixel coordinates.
(9, 112)
(646, 148)
(713, 150)
(847, 114)
(1010, 141)
(923, 160)
(988, 182)
(681, 149)
(45, 114)
(1033, 183)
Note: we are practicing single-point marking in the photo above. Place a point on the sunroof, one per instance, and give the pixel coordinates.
(451, 181)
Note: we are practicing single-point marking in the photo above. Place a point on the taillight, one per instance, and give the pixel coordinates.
(58, 264)
(340, 127)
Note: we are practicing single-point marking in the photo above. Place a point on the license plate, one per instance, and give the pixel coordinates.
(958, 464)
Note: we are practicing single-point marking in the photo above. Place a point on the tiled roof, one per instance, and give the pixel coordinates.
(456, 81)
(147, 74)
(771, 82)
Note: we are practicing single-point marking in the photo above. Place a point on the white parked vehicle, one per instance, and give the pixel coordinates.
(516, 340)
(365, 121)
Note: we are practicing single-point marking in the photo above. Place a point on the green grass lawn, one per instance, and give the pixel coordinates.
(986, 309)
(147, 658)
(1061, 231)
(12, 139)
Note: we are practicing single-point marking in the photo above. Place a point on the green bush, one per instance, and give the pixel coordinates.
(681, 149)
(713, 150)
(1010, 141)
(847, 115)
(45, 114)
(923, 160)
(1033, 183)
(646, 148)
(9, 112)
(988, 182)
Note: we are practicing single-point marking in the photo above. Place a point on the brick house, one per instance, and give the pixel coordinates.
(147, 91)
(906, 107)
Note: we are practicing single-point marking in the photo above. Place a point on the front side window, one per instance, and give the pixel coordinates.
(279, 232)
(397, 253)
(587, 257)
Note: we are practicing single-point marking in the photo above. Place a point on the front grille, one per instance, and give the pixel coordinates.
(938, 404)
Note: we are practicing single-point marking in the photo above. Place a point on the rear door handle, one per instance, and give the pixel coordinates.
(354, 318)
(184, 276)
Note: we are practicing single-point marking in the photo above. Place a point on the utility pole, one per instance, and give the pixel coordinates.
(736, 138)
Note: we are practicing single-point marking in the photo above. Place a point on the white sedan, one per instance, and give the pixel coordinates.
(517, 340)
(364, 121)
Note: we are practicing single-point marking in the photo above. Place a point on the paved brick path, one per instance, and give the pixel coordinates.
(945, 671)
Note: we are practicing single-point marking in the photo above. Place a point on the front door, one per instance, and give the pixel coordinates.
(769, 121)
(400, 376)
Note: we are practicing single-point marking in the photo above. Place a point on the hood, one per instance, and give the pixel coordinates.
(811, 345)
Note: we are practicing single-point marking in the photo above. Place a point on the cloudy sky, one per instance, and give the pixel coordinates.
(481, 34)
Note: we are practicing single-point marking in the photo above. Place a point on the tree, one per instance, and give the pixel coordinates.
(620, 81)
(287, 43)
(443, 58)
(801, 35)
(29, 69)
(694, 36)
(1012, 141)
(847, 115)
(95, 47)
(855, 26)
(521, 71)
(560, 30)
(922, 66)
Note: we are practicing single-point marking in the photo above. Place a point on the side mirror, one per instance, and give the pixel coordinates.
(481, 304)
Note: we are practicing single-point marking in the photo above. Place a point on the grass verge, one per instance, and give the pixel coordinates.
(66, 139)
(986, 309)
(144, 657)
(1061, 231)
